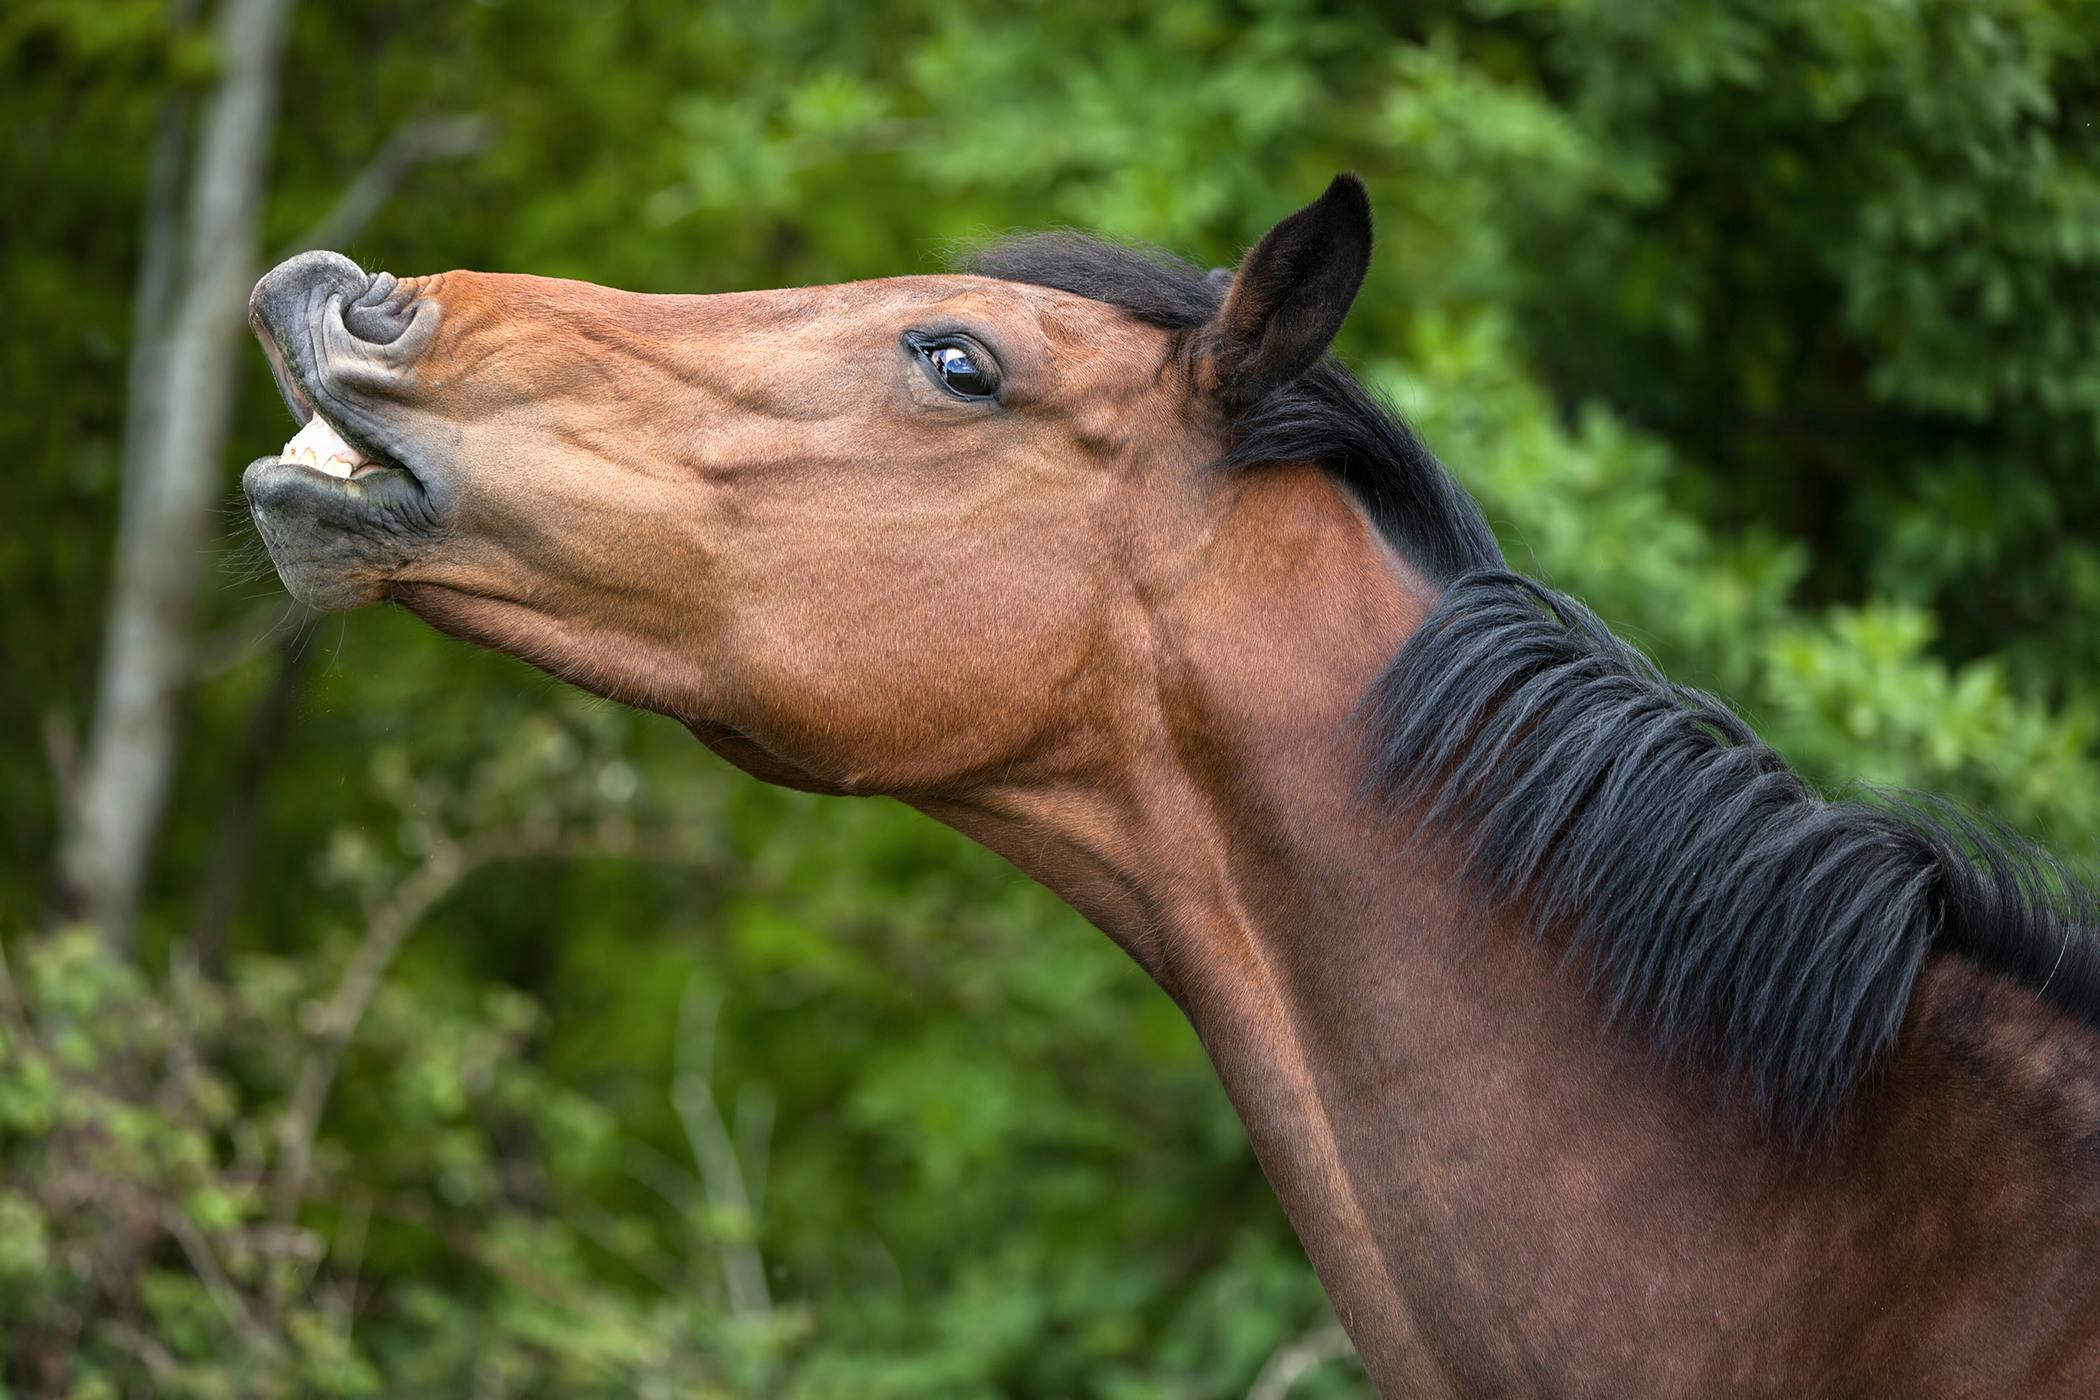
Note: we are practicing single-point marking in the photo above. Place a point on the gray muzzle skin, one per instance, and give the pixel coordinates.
(343, 343)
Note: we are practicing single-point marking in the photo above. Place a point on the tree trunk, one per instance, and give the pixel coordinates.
(181, 382)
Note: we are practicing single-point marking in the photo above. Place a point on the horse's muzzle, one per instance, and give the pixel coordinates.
(351, 498)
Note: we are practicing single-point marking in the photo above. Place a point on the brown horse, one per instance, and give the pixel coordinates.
(1590, 1053)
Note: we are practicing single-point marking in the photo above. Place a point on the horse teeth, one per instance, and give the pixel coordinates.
(321, 447)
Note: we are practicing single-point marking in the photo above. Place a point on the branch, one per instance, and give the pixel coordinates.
(427, 138)
(391, 923)
(448, 863)
(752, 1131)
(1289, 1363)
(346, 1292)
(221, 1288)
(721, 1172)
(160, 1363)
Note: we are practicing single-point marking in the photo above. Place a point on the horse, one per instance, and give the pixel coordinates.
(1589, 1050)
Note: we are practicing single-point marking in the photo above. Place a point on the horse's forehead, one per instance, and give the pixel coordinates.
(1059, 315)
(1055, 319)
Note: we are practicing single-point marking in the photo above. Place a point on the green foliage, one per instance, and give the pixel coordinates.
(1848, 691)
(973, 1154)
(1760, 324)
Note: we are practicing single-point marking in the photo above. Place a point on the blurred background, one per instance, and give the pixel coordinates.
(381, 1018)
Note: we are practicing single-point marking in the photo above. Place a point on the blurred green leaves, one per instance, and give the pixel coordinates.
(1765, 326)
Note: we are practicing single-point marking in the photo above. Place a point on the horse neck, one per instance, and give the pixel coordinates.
(1501, 1193)
(1474, 1159)
(1400, 1061)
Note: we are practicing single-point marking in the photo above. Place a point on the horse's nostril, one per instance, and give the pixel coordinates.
(289, 292)
(382, 286)
(378, 315)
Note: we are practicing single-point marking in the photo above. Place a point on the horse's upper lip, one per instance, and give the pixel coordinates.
(309, 305)
(286, 310)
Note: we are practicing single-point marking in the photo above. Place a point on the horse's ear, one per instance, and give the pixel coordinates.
(1291, 292)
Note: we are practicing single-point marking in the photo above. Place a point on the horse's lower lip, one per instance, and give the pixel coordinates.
(380, 496)
(338, 542)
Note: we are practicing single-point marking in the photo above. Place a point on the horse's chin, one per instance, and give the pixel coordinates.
(337, 541)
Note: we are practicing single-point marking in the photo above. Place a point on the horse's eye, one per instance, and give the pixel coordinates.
(956, 368)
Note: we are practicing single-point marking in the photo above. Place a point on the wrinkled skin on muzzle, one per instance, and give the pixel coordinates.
(339, 338)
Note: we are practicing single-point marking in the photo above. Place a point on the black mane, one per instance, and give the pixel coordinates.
(1714, 897)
